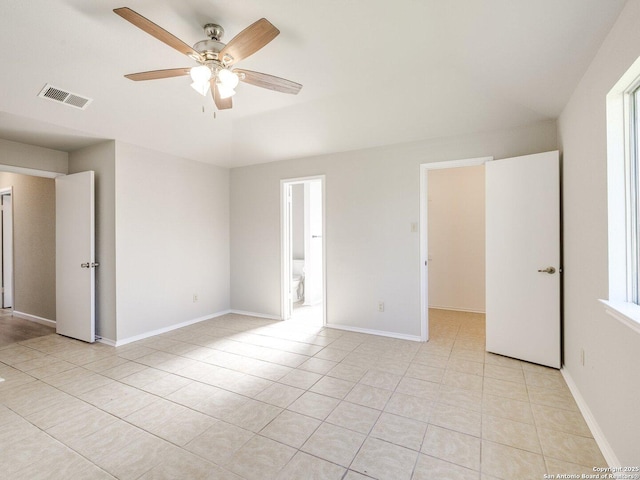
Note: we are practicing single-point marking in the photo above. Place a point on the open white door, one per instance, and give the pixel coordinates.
(523, 258)
(75, 256)
(313, 242)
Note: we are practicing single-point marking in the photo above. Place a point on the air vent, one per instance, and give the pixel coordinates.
(59, 95)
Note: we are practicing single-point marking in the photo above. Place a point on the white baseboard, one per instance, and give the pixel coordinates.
(153, 333)
(255, 314)
(34, 318)
(106, 341)
(605, 447)
(380, 333)
(456, 309)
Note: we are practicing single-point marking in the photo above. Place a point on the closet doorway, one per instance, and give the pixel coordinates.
(425, 260)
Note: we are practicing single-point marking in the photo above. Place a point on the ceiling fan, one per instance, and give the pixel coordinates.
(215, 59)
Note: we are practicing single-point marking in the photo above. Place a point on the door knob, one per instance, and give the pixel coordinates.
(549, 270)
(85, 265)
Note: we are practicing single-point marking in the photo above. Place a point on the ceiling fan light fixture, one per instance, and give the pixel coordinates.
(225, 91)
(201, 87)
(228, 78)
(200, 74)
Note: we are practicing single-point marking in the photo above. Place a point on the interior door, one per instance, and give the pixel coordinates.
(313, 242)
(75, 256)
(523, 258)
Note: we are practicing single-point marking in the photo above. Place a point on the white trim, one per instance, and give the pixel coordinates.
(9, 191)
(424, 237)
(34, 318)
(424, 256)
(106, 341)
(153, 333)
(467, 162)
(625, 312)
(456, 309)
(30, 171)
(380, 333)
(285, 236)
(256, 314)
(598, 436)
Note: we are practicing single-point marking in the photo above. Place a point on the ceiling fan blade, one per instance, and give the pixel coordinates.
(156, 74)
(158, 32)
(248, 41)
(268, 81)
(221, 103)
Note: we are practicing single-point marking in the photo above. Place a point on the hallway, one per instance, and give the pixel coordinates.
(14, 329)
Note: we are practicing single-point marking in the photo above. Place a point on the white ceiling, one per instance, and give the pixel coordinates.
(375, 72)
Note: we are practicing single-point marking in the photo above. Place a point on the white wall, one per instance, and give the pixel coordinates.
(30, 156)
(172, 240)
(372, 197)
(608, 381)
(101, 159)
(456, 238)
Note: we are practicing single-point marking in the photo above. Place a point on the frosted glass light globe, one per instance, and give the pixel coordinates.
(228, 78)
(200, 74)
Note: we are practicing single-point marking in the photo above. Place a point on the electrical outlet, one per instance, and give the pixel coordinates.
(381, 306)
(582, 357)
(195, 297)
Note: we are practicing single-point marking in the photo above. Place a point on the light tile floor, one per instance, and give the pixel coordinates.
(244, 398)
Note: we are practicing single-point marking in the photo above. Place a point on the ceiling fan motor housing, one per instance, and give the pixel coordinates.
(213, 31)
(211, 47)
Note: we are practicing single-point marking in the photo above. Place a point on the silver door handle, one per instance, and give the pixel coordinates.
(549, 270)
(85, 265)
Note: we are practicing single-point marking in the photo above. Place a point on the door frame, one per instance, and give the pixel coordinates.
(424, 231)
(285, 244)
(7, 191)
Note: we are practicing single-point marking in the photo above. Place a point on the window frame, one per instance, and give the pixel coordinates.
(632, 181)
(623, 190)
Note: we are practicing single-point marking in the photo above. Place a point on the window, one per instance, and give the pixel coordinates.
(623, 184)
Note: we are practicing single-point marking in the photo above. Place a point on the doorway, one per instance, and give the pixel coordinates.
(522, 255)
(425, 259)
(303, 251)
(27, 220)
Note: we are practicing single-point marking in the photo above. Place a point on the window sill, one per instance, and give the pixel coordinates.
(627, 313)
